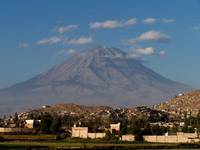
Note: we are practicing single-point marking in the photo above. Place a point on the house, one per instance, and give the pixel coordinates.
(46, 106)
(30, 123)
(115, 127)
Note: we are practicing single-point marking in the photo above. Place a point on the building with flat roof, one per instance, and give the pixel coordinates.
(115, 127)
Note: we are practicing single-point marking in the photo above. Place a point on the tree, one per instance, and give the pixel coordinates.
(123, 126)
(16, 120)
(138, 127)
(1, 122)
(158, 130)
(30, 116)
(46, 121)
(56, 125)
(66, 121)
(191, 123)
(110, 136)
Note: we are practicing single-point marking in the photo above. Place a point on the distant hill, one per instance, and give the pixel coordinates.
(103, 113)
(72, 109)
(187, 102)
(98, 76)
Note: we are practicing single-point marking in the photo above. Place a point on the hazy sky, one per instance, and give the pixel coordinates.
(38, 34)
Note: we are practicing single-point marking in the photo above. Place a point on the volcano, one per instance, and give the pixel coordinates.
(97, 76)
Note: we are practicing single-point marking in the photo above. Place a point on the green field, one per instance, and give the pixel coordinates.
(67, 145)
(29, 137)
(50, 142)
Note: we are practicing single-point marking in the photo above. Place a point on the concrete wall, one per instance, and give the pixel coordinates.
(80, 132)
(170, 139)
(15, 130)
(100, 135)
(128, 137)
(150, 138)
(96, 135)
(188, 135)
(161, 139)
(92, 135)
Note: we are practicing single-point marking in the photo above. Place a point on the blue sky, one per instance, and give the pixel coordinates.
(36, 35)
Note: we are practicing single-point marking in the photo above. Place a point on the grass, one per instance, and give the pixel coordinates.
(49, 141)
(29, 137)
(67, 145)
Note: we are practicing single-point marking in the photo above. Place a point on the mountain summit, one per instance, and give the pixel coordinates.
(99, 76)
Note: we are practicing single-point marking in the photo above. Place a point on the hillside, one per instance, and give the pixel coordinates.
(82, 112)
(188, 103)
